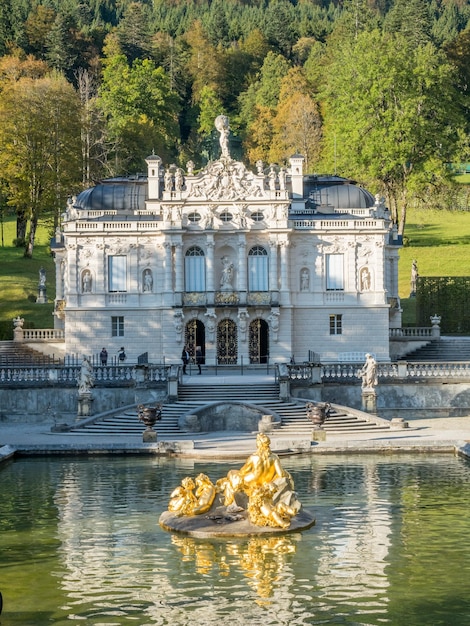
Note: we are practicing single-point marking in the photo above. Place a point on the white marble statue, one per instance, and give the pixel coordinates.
(227, 273)
(223, 126)
(369, 373)
(86, 379)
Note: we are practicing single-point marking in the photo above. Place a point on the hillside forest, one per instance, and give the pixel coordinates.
(373, 90)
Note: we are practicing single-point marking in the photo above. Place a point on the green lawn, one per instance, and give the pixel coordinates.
(19, 279)
(439, 241)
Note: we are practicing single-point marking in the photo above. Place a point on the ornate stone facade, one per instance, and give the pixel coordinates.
(251, 266)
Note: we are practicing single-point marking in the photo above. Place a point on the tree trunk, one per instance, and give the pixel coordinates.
(21, 225)
(32, 235)
(404, 207)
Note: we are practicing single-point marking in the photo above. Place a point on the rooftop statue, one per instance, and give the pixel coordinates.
(223, 126)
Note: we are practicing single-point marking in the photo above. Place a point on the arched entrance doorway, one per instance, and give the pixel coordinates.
(259, 341)
(195, 335)
(227, 343)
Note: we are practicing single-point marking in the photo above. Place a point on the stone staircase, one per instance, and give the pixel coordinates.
(293, 414)
(14, 354)
(443, 349)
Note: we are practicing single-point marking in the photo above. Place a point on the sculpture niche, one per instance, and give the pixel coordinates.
(257, 498)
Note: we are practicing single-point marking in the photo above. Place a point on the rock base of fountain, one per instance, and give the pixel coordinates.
(220, 521)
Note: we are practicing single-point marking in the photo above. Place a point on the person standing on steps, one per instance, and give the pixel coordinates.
(185, 358)
(122, 356)
(199, 358)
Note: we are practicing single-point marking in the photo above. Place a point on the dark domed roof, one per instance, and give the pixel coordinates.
(336, 192)
(115, 194)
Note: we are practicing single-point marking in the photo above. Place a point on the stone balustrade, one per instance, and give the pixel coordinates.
(346, 373)
(68, 374)
(407, 333)
(400, 370)
(42, 334)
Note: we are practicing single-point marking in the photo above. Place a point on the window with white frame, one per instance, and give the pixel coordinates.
(258, 277)
(117, 326)
(336, 324)
(117, 273)
(335, 272)
(195, 269)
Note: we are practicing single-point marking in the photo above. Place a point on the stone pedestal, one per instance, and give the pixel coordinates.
(397, 423)
(42, 298)
(149, 436)
(85, 404)
(369, 401)
(318, 434)
(265, 425)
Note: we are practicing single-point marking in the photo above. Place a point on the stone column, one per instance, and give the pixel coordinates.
(168, 269)
(210, 262)
(273, 282)
(242, 263)
(179, 273)
(284, 266)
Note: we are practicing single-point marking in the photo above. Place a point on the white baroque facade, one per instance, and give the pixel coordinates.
(250, 266)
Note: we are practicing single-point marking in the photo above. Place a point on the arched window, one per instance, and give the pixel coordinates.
(195, 269)
(258, 279)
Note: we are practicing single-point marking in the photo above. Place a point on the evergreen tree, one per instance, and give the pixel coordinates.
(280, 28)
(133, 32)
(410, 18)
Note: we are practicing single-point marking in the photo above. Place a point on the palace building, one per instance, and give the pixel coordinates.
(252, 266)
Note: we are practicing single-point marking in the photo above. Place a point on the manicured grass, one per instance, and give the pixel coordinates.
(19, 278)
(439, 241)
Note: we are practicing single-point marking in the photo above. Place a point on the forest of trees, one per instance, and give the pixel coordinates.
(374, 90)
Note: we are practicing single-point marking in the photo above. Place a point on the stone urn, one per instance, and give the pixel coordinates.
(318, 413)
(149, 415)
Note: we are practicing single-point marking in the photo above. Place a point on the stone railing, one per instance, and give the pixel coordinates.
(68, 374)
(38, 335)
(424, 332)
(400, 370)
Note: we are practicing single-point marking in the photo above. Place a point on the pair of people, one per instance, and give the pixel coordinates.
(185, 357)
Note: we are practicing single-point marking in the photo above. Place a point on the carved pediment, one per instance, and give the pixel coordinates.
(226, 180)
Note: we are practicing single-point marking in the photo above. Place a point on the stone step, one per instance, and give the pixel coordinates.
(213, 393)
(293, 414)
(444, 349)
(13, 354)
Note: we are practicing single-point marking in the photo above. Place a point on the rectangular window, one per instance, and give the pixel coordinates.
(335, 272)
(117, 273)
(117, 326)
(336, 324)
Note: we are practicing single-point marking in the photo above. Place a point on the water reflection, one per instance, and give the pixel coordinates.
(260, 559)
(391, 545)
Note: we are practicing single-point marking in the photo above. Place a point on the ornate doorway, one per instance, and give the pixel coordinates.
(227, 343)
(259, 341)
(195, 335)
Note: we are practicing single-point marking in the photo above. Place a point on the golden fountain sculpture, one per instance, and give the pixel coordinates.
(260, 494)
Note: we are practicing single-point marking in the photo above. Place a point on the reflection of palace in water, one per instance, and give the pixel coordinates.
(245, 264)
(114, 554)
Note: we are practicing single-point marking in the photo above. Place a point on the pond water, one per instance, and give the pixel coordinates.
(80, 543)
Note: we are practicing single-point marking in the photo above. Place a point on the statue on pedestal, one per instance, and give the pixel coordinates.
(369, 374)
(86, 378)
(261, 494)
